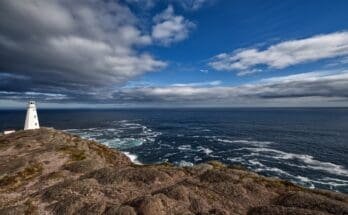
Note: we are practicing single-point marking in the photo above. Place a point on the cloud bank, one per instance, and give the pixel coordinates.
(323, 88)
(306, 89)
(283, 54)
(66, 45)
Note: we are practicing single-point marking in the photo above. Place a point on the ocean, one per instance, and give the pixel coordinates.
(307, 146)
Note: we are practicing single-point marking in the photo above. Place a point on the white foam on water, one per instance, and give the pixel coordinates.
(272, 169)
(246, 142)
(257, 166)
(310, 162)
(303, 179)
(123, 143)
(185, 147)
(166, 145)
(256, 163)
(132, 157)
(122, 134)
(196, 159)
(169, 155)
(207, 151)
(236, 159)
(312, 186)
(184, 164)
(333, 183)
(335, 179)
(206, 130)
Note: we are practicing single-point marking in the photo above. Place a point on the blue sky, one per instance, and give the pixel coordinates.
(174, 53)
(230, 25)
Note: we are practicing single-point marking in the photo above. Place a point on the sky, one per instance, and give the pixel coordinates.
(173, 53)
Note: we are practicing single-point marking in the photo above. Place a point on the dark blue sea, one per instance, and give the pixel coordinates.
(306, 146)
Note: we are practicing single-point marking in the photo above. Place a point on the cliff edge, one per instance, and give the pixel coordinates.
(46, 171)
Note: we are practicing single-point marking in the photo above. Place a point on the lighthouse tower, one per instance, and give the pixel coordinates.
(31, 120)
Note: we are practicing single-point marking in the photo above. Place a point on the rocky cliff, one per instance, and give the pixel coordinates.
(46, 171)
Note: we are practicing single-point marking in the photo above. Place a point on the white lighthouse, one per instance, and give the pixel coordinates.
(31, 120)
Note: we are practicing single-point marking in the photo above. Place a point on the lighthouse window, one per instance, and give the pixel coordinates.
(35, 123)
(34, 116)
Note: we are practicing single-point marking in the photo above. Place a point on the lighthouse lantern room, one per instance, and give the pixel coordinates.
(31, 120)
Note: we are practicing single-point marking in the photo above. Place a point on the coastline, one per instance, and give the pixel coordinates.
(54, 172)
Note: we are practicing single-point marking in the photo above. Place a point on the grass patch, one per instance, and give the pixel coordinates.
(75, 154)
(54, 176)
(4, 143)
(277, 184)
(30, 208)
(21, 177)
(238, 167)
(282, 183)
(108, 154)
(217, 164)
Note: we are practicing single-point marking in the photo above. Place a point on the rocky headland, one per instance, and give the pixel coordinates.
(46, 171)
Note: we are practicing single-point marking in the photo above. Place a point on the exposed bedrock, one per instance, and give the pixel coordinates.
(46, 171)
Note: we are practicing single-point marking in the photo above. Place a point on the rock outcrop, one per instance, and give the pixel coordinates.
(46, 171)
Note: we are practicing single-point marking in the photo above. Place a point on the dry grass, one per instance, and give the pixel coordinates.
(217, 164)
(75, 154)
(21, 177)
(104, 152)
(277, 184)
(30, 208)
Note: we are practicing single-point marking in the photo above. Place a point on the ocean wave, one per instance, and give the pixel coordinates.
(237, 160)
(197, 159)
(255, 162)
(304, 181)
(207, 151)
(169, 155)
(308, 160)
(260, 167)
(184, 163)
(185, 147)
(329, 182)
(123, 143)
(335, 179)
(122, 134)
(273, 169)
(245, 142)
(132, 157)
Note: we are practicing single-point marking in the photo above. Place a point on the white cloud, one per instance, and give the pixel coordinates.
(193, 4)
(284, 54)
(76, 43)
(185, 4)
(9, 95)
(196, 84)
(145, 4)
(170, 28)
(323, 88)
